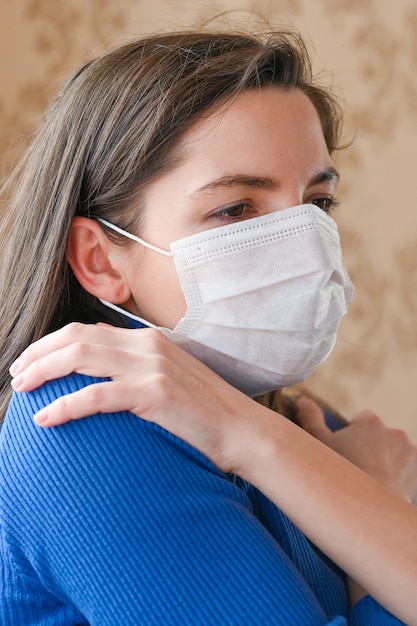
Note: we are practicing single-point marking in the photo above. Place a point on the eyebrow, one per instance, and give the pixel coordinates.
(329, 174)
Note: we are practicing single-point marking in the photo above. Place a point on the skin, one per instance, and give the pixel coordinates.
(158, 381)
(275, 137)
(275, 158)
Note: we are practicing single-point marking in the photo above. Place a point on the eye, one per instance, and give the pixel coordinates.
(242, 210)
(326, 204)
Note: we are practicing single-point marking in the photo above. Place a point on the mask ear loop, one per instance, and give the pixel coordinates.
(132, 316)
(133, 237)
(143, 243)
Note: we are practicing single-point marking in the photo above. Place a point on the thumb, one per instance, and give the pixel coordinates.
(311, 418)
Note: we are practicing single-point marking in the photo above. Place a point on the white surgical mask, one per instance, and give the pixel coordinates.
(264, 296)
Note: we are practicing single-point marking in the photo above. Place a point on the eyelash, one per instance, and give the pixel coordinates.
(327, 204)
(222, 214)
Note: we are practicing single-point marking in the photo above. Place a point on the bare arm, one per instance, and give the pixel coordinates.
(370, 531)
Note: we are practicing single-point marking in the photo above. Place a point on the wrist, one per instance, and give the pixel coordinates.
(257, 448)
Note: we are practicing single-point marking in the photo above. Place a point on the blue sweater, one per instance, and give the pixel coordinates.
(113, 521)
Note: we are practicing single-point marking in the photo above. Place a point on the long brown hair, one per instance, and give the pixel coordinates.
(114, 128)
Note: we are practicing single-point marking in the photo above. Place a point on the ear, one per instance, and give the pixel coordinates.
(92, 258)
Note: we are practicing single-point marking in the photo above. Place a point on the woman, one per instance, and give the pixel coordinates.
(211, 151)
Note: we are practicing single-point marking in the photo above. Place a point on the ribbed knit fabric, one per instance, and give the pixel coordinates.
(112, 521)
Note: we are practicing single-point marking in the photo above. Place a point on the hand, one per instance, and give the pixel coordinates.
(384, 453)
(150, 377)
(158, 381)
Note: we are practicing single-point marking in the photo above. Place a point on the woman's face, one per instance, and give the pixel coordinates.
(264, 152)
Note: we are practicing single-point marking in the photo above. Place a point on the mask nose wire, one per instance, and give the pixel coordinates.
(133, 237)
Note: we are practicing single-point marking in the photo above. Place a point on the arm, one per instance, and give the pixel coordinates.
(366, 526)
(122, 522)
(239, 435)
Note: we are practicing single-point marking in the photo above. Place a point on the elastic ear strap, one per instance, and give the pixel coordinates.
(127, 313)
(130, 236)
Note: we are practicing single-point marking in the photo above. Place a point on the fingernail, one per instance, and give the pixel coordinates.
(15, 367)
(17, 382)
(301, 403)
(41, 417)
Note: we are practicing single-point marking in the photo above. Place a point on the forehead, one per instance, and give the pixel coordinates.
(265, 142)
(258, 124)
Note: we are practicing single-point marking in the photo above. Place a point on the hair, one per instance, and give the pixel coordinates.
(112, 130)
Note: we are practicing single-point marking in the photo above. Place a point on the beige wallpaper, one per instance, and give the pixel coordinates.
(369, 49)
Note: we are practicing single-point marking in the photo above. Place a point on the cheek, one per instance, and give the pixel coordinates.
(157, 291)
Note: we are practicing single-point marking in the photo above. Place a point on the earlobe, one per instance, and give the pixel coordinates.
(90, 258)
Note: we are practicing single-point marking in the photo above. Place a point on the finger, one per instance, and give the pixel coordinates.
(104, 397)
(101, 361)
(73, 333)
(366, 415)
(311, 418)
(47, 344)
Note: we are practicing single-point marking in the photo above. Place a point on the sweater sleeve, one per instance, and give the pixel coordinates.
(367, 611)
(111, 519)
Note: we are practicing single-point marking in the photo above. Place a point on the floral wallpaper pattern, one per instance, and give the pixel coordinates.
(368, 51)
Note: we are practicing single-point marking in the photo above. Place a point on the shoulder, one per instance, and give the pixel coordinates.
(124, 516)
(20, 429)
(85, 458)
